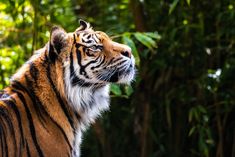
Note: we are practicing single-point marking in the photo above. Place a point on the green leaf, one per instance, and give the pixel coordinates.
(201, 109)
(190, 116)
(192, 130)
(145, 40)
(153, 35)
(188, 1)
(127, 40)
(128, 90)
(115, 89)
(172, 6)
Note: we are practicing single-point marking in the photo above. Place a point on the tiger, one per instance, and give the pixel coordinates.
(60, 91)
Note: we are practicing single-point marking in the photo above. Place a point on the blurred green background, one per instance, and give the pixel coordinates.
(182, 102)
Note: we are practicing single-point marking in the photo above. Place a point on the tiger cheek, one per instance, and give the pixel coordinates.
(109, 49)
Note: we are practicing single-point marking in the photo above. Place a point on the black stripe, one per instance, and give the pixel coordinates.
(5, 142)
(71, 68)
(61, 102)
(21, 146)
(33, 71)
(58, 44)
(77, 45)
(1, 140)
(94, 38)
(52, 54)
(4, 146)
(95, 67)
(91, 62)
(80, 82)
(17, 85)
(39, 108)
(97, 37)
(17, 113)
(6, 115)
(74, 39)
(114, 61)
(18, 116)
(31, 124)
(118, 64)
(79, 59)
(124, 68)
(88, 41)
(63, 106)
(111, 60)
(74, 78)
(27, 149)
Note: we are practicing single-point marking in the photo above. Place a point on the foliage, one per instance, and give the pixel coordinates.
(182, 102)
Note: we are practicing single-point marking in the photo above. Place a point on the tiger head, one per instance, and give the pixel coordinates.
(90, 57)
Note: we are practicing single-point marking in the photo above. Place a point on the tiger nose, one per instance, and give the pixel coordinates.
(126, 52)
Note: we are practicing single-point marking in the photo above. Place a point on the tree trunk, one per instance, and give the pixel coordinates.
(142, 94)
(100, 134)
(138, 15)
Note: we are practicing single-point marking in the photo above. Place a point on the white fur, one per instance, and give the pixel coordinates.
(78, 95)
(77, 142)
(128, 78)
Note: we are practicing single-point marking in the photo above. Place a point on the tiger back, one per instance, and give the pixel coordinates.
(60, 91)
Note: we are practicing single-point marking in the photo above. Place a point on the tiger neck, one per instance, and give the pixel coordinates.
(87, 101)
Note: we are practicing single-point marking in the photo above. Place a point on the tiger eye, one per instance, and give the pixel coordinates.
(93, 47)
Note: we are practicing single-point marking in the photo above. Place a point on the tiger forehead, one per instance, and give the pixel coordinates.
(103, 35)
(98, 34)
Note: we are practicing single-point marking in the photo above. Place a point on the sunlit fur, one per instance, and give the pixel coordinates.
(59, 91)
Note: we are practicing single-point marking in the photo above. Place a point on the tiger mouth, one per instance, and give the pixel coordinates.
(122, 74)
(114, 77)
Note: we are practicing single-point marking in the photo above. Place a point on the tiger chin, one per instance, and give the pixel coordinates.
(60, 91)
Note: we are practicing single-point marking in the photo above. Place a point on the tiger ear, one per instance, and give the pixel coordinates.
(58, 40)
(83, 25)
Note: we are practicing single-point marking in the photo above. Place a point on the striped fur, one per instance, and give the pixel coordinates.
(59, 91)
